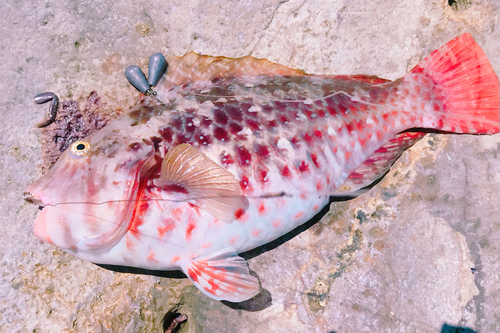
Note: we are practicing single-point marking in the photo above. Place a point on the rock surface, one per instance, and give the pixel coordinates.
(396, 259)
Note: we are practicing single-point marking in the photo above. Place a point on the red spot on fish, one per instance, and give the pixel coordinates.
(303, 197)
(253, 125)
(262, 208)
(234, 113)
(177, 213)
(221, 134)
(319, 185)
(129, 242)
(192, 274)
(220, 117)
(226, 159)
(244, 157)
(277, 104)
(195, 208)
(205, 122)
(286, 172)
(280, 203)
(138, 215)
(239, 213)
(190, 127)
(283, 119)
(298, 215)
(92, 188)
(272, 124)
(151, 257)
(303, 167)
(177, 258)
(349, 127)
(183, 138)
(235, 128)
(276, 223)
(331, 110)
(202, 138)
(234, 239)
(308, 113)
(295, 141)
(189, 229)
(256, 232)
(314, 158)
(177, 123)
(262, 150)
(355, 175)
(261, 175)
(174, 188)
(382, 150)
(308, 138)
(318, 134)
(165, 226)
(244, 182)
(207, 245)
(315, 207)
(347, 155)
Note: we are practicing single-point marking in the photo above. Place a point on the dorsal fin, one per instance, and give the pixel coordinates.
(372, 79)
(195, 67)
(188, 175)
(380, 161)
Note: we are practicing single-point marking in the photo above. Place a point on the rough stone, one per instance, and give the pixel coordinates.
(396, 259)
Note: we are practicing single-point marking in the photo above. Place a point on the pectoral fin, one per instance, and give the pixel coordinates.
(191, 176)
(222, 276)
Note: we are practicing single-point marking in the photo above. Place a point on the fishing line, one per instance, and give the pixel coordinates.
(119, 225)
(264, 196)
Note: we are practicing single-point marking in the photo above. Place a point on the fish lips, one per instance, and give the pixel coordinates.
(43, 228)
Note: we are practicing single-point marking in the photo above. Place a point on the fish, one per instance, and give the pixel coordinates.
(230, 154)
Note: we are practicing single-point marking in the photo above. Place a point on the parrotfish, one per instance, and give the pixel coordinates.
(231, 154)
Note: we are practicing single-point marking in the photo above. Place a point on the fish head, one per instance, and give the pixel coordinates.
(88, 196)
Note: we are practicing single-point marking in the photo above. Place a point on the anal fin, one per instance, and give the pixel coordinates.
(222, 276)
(377, 164)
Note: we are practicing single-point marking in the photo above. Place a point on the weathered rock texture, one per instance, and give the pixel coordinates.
(396, 259)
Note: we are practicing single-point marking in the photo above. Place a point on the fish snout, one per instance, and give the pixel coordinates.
(33, 199)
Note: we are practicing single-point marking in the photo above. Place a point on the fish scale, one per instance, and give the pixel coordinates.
(291, 127)
(234, 153)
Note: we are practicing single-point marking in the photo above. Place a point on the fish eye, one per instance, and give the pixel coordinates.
(80, 148)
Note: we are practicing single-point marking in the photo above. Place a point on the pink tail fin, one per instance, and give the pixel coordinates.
(468, 86)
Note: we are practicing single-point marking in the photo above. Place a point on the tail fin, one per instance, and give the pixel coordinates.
(468, 86)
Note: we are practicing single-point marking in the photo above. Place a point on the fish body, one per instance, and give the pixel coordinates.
(231, 154)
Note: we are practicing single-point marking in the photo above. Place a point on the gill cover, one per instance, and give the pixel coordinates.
(89, 192)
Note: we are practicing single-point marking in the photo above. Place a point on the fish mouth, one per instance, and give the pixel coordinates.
(34, 199)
